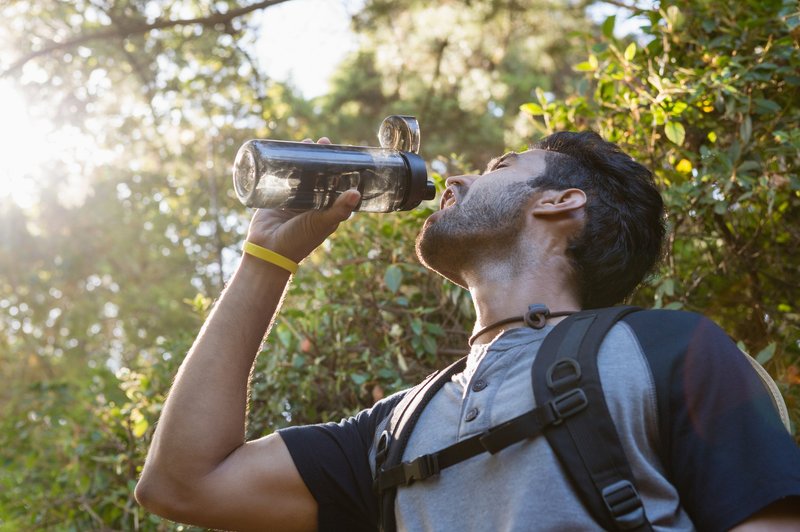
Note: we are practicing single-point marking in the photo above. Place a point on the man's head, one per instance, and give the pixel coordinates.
(622, 239)
(618, 242)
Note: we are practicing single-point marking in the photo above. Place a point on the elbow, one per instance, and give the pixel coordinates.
(151, 496)
(160, 497)
(143, 493)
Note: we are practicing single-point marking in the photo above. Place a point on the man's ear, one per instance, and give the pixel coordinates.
(559, 202)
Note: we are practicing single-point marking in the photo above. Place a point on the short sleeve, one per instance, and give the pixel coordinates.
(332, 459)
(723, 443)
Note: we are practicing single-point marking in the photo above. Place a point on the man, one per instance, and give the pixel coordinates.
(572, 223)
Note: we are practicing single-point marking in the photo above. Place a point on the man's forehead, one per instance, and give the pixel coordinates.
(512, 156)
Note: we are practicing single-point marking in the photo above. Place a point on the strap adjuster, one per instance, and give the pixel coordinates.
(421, 468)
(567, 404)
(625, 505)
(563, 373)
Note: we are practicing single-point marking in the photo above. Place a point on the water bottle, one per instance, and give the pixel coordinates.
(299, 175)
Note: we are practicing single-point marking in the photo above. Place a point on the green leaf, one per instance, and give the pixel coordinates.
(678, 108)
(532, 109)
(401, 362)
(667, 287)
(766, 354)
(675, 17)
(140, 427)
(675, 132)
(585, 67)
(608, 26)
(746, 129)
(429, 344)
(359, 378)
(766, 106)
(393, 278)
(541, 96)
(748, 166)
(630, 52)
(435, 329)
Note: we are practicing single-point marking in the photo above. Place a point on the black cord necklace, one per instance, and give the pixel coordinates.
(535, 318)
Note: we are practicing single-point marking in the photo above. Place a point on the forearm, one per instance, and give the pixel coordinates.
(203, 419)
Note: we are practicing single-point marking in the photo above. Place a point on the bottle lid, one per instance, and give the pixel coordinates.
(399, 132)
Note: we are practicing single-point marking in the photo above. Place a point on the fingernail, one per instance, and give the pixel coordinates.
(353, 198)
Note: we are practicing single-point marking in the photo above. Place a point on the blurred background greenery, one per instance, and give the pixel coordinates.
(119, 226)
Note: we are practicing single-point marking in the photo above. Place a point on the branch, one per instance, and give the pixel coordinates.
(622, 5)
(137, 28)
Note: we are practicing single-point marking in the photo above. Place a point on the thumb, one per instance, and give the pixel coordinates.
(343, 206)
(325, 221)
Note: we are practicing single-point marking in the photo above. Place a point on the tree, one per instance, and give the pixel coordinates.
(463, 68)
(100, 293)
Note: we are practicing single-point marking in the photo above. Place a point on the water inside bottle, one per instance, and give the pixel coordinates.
(319, 181)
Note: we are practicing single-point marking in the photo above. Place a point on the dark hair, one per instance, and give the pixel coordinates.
(622, 237)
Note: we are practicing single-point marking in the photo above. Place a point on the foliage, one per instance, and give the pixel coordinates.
(463, 68)
(71, 460)
(709, 97)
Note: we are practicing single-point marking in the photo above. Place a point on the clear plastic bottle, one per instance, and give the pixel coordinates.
(298, 175)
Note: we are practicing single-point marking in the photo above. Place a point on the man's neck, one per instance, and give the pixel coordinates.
(504, 291)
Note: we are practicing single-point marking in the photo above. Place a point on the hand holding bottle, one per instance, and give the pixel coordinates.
(295, 234)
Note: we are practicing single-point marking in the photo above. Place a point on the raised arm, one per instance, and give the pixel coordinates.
(199, 468)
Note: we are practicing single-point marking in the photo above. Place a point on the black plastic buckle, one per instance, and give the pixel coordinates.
(625, 505)
(421, 468)
(382, 449)
(567, 404)
(569, 372)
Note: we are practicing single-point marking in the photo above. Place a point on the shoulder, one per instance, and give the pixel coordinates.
(684, 348)
(723, 443)
(358, 428)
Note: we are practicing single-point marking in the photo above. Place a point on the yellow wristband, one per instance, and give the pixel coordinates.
(270, 256)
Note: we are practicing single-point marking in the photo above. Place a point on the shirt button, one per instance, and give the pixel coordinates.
(479, 385)
(472, 414)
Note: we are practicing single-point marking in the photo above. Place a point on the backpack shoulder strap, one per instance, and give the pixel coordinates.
(587, 444)
(393, 440)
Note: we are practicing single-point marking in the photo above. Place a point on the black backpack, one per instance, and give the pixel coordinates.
(571, 413)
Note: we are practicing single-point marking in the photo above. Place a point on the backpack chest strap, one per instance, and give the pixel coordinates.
(528, 425)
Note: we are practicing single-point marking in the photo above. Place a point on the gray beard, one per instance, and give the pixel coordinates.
(469, 234)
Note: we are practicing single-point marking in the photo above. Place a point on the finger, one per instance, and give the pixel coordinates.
(341, 209)
(308, 140)
(346, 203)
(324, 140)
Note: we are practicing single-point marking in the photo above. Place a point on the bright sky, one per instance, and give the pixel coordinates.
(20, 147)
(304, 40)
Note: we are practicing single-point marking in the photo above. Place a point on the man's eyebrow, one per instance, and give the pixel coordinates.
(494, 163)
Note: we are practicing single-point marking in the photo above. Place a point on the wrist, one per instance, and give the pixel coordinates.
(258, 271)
(269, 256)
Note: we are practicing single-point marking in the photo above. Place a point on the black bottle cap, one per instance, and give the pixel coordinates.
(430, 191)
(419, 188)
